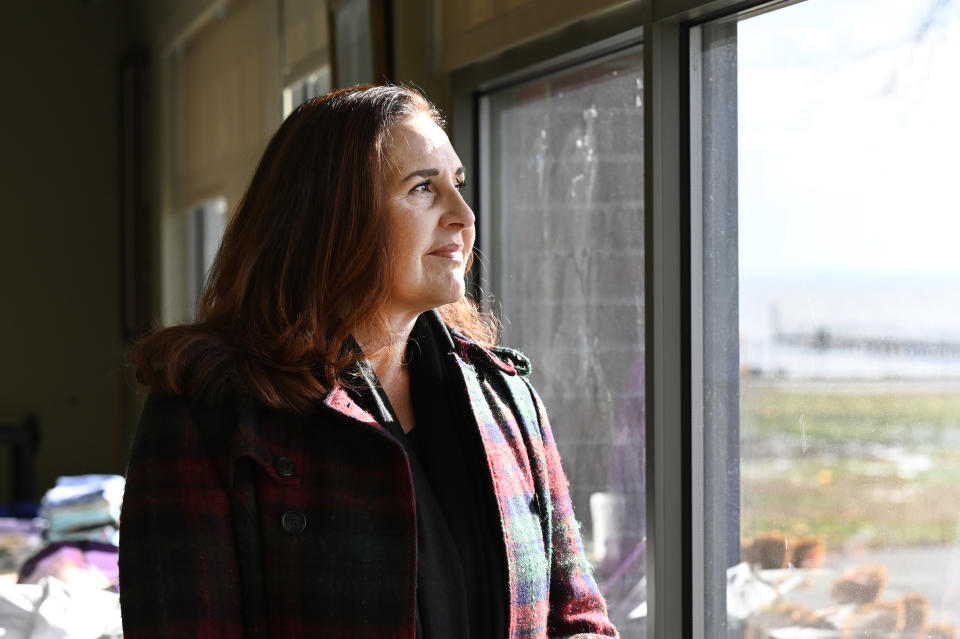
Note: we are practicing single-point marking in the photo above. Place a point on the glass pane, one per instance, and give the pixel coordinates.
(824, 185)
(563, 238)
(204, 230)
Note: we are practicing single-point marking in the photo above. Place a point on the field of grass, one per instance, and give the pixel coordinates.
(862, 466)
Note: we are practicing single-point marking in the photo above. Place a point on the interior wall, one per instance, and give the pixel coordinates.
(433, 38)
(475, 29)
(417, 44)
(60, 343)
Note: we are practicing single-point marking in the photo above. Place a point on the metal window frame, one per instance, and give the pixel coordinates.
(679, 603)
(676, 442)
(676, 598)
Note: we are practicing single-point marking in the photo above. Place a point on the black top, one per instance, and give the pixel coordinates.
(461, 564)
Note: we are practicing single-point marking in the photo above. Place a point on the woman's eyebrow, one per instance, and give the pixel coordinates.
(423, 173)
(431, 173)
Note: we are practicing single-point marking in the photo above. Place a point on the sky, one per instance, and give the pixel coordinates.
(849, 138)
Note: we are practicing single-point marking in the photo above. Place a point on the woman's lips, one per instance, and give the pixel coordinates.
(449, 251)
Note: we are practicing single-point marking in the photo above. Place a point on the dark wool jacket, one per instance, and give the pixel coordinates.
(239, 521)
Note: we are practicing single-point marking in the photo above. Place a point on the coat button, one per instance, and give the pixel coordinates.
(294, 521)
(284, 467)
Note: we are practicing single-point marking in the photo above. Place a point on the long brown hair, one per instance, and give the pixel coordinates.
(303, 265)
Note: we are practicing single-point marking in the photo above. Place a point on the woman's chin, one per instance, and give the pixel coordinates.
(444, 301)
(447, 294)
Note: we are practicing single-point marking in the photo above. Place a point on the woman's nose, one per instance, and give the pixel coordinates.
(460, 213)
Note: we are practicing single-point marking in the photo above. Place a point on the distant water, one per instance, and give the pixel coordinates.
(865, 312)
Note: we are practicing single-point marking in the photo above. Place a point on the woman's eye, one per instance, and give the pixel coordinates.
(427, 187)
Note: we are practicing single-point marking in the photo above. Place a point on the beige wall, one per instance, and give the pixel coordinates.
(433, 38)
(60, 345)
(476, 29)
(417, 49)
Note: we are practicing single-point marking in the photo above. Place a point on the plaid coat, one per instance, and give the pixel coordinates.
(242, 522)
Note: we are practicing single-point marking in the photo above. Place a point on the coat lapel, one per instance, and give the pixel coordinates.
(339, 401)
(511, 460)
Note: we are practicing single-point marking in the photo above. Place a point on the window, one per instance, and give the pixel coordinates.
(218, 107)
(315, 84)
(203, 232)
(561, 237)
(826, 320)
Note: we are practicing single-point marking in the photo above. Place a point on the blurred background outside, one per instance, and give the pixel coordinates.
(841, 380)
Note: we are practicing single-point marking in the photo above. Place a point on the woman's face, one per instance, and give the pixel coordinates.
(432, 227)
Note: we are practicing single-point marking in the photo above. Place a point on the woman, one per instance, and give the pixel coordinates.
(335, 448)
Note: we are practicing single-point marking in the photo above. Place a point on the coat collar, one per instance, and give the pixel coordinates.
(339, 401)
(264, 435)
(498, 358)
(449, 340)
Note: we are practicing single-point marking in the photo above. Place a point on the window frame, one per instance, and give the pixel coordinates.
(678, 600)
(676, 575)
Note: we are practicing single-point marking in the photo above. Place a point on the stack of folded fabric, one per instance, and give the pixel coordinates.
(19, 538)
(84, 508)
